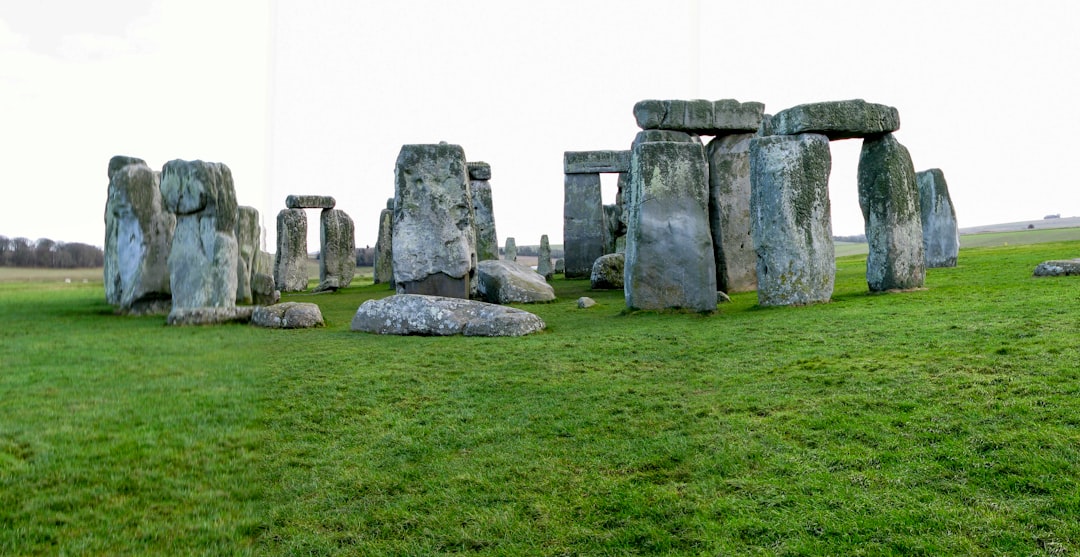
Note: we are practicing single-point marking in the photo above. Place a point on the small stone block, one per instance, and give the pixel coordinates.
(479, 170)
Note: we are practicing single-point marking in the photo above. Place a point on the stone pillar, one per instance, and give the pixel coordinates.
(791, 220)
(729, 212)
(669, 253)
(247, 241)
(889, 198)
(941, 236)
(510, 252)
(384, 254)
(290, 261)
(487, 243)
(544, 266)
(583, 223)
(337, 249)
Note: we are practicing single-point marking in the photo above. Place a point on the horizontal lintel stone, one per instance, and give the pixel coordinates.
(310, 202)
(837, 119)
(595, 162)
(479, 170)
(698, 116)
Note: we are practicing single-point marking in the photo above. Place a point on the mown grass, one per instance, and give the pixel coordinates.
(936, 422)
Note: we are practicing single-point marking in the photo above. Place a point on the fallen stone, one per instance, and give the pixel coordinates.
(1058, 268)
(506, 282)
(594, 162)
(479, 171)
(585, 302)
(941, 234)
(288, 315)
(889, 198)
(729, 212)
(413, 314)
(699, 116)
(837, 119)
(290, 260)
(210, 315)
(607, 272)
(310, 202)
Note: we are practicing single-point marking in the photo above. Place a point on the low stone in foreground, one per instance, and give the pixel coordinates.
(503, 282)
(415, 314)
(209, 315)
(608, 271)
(288, 315)
(1058, 268)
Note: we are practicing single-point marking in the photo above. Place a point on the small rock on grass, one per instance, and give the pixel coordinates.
(585, 302)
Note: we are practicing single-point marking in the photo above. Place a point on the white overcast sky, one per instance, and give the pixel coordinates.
(317, 97)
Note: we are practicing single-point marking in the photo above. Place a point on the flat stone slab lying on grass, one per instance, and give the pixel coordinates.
(500, 281)
(210, 315)
(1058, 268)
(288, 315)
(415, 314)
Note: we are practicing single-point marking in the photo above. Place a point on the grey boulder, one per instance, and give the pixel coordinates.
(500, 281)
(288, 315)
(1058, 268)
(414, 314)
(607, 272)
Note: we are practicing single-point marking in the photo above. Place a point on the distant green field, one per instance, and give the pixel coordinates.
(989, 239)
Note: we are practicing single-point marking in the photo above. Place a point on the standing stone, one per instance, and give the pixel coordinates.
(264, 289)
(290, 261)
(889, 198)
(560, 266)
(669, 253)
(247, 241)
(544, 266)
(433, 243)
(941, 236)
(583, 223)
(614, 226)
(791, 219)
(137, 240)
(510, 252)
(203, 259)
(729, 212)
(337, 251)
(384, 254)
(487, 243)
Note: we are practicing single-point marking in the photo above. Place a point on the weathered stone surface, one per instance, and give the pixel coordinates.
(487, 242)
(1058, 268)
(729, 212)
(310, 202)
(560, 266)
(614, 226)
(791, 220)
(120, 161)
(544, 265)
(384, 255)
(337, 252)
(585, 302)
(434, 247)
(941, 234)
(607, 272)
(889, 198)
(583, 223)
(288, 315)
(658, 136)
(669, 253)
(263, 290)
(699, 116)
(138, 239)
(203, 258)
(595, 162)
(507, 282)
(411, 314)
(510, 251)
(837, 119)
(247, 242)
(290, 261)
(479, 171)
(209, 315)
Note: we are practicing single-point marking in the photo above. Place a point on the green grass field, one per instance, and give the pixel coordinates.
(944, 421)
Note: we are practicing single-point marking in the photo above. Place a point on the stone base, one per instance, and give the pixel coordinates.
(210, 316)
(439, 284)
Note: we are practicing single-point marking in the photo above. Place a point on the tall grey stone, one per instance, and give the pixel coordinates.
(510, 252)
(384, 255)
(434, 247)
(729, 212)
(290, 260)
(941, 235)
(544, 265)
(583, 223)
(614, 226)
(837, 119)
(204, 254)
(247, 241)
(337, 249)
(791, 220)
(889, 198)
(669, 253)
(138, 237)
(487, 242)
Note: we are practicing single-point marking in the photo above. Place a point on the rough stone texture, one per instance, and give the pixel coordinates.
(544, 265)
(263, 290)
(247, 242)
(434, 247)
(699, 116)
(941, 234)
(411, 314)
(290, 261)
(607, 272)
(510, 251)
(487, 242)
(507, 282)
(560, 266)
(479, 170)
(659, 136)
(791, 219)
(595, 162)
(837, 119)
(210, 315)
(337, 252)
(288, 315)
(889, 198)
(585, 302)
(583, 223)
(204, 254)
(669, 253)
(1058, 268)
(138, 238)
(384, 254)
(614, 226)
(310, 202)
(729, 212)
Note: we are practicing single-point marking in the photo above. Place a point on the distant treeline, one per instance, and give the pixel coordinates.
(858, 239)
(22, 252)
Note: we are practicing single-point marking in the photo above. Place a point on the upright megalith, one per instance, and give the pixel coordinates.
(544, 266)
(583, 223)
(614, 227)
(729, 212)
(203, 258)
(791, 220)
(889, 198)
(138, 237)
(433, 243)
(384, 254)
(669, 255)
(290, 260)
(487, 242)
(247, 241)
(337, 251)
(510, 251)
(941, 235)
(837, 119)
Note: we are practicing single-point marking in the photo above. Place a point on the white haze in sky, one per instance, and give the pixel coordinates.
(317, 97)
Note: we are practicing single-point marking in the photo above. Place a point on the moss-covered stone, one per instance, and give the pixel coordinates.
(889, 198)
(837, 119)
(941, 235)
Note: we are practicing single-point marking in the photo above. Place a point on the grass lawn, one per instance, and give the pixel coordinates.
(944, 421)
